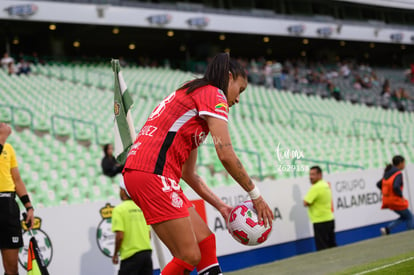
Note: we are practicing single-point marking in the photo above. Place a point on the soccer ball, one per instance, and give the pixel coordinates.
(244, 227)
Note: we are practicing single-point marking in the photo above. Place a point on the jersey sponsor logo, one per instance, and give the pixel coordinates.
(148, 131)
(104, 235)
(43, 241)
(161, 107)
(176, 200)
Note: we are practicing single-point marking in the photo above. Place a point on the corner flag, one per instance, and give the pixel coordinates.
(124, 127)
(35, 263)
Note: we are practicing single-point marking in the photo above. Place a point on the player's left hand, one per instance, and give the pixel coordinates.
(264, 212)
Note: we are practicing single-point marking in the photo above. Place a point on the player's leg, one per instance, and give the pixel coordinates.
(178, 235)
(10, 259)
(207, 243)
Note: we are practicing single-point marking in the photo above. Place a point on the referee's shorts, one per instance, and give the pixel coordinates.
(10, 227)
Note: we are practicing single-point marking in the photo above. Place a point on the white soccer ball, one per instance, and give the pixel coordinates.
(244, 227)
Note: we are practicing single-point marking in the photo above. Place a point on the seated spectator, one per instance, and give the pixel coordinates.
(334, 91)
(366, 82)
(344, 70)
(397, 98)
(6, 60)
(386, 88)
(23, 67)
(11, 69)
(110, 167)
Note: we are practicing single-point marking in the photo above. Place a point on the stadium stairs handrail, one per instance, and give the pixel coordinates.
(376, 126)
(13, 110)
(328, 164)
(259, 159)
(74, 122)
(311, 116)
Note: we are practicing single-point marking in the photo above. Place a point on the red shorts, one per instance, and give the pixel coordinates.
(160, 198)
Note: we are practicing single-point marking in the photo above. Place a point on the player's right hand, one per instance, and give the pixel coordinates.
(264, 213)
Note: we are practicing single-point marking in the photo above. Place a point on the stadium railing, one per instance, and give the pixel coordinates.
(74, 122)
(376, 125)
(327, 164)
(15, 117)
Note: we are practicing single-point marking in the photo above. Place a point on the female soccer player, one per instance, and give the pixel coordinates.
(165, 150)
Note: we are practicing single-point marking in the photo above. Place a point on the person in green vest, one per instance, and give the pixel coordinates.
(320, 209)
(132, 237)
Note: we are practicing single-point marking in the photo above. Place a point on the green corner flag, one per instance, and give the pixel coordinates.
(124, 127)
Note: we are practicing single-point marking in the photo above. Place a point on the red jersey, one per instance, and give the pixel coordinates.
(176, 127)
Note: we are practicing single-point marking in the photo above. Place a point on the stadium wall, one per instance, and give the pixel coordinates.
(98, 14)
(76, 239)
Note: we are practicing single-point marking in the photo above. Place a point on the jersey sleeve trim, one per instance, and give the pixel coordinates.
(205, 113)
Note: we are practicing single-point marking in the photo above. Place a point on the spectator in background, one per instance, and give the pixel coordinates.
(110, 167)
(344, 70)
(132, 237)
(334, 91)
(320, 209)
(397, 97)
(277, 75)
(23, 67)
(386, 88)
(268, 74)
(6, 60)
(391, 186)
(11, 69)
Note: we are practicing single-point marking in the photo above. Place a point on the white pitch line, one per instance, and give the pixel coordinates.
(385, 266)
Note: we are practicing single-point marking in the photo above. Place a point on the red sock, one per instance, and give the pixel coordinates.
(209, 263)
(176, 267)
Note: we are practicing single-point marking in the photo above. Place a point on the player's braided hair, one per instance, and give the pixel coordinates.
(217, 74)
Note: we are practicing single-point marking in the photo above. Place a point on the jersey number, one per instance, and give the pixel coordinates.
(169, 184)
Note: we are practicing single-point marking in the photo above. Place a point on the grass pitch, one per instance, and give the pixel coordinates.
(392, 254)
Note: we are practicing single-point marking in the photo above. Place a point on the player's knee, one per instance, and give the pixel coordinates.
(192, 257)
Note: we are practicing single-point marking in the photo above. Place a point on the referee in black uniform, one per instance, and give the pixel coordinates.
(10, 185)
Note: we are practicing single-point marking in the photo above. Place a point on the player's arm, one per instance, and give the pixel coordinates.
(119, 237)
(190, 176)
(22, 193)
(225, 152)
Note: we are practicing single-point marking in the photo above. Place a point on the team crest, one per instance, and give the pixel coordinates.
(104, 235)
(117, 108)
(176, 201)
(43, 241)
